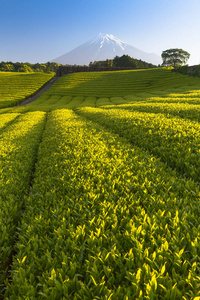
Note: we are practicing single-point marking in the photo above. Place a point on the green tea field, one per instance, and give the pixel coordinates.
(15, 87)
(100, 187)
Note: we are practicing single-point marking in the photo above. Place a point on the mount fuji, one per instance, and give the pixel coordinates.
(101, 48)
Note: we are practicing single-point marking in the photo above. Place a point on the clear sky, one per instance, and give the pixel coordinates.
(41, 30)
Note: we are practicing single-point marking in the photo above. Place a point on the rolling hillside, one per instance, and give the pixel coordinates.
(101, 189)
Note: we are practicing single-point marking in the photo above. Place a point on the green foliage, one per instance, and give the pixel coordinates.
(20, 135)
(125, 61)
(119, 83)
(192, 70)
(175, 57)
(103, 63)
(27, 67)
(15, 87)
(104, 219)
(183, 70)
(174, 140)
(100, 196)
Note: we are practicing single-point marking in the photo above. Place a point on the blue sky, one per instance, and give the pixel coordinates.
(41, 30)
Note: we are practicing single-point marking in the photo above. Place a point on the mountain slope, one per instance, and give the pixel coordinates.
(101, 48)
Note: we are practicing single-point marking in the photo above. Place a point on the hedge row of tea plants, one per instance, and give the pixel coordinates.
(104, 220)
(114, 88)
(120, 83)
(15, 87)
(18, 148)
(174, 140)
(6, 119)
(92, 215)
(183, 110)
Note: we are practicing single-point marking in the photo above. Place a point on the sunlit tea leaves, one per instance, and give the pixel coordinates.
(100, 189)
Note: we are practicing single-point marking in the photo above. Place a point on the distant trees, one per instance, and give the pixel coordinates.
(130, 62)
(175, 57)
(125, 61)
(102, 63)
(27, 67)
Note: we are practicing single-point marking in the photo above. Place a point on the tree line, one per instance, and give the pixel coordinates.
(28, 67)
(171, 57)
(124, 61)
(118, 62)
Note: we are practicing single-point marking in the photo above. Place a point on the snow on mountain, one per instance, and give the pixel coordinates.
(101, 48)
(108, 39)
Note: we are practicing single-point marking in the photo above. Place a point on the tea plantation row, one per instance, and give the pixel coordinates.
(15, 87)
(102, 202)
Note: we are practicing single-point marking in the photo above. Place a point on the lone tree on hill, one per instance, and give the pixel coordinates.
(175, 57)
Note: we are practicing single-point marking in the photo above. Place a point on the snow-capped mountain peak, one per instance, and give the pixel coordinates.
(108, 39)
(104, 46)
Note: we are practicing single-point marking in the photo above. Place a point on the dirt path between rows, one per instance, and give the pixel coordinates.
(39, 92)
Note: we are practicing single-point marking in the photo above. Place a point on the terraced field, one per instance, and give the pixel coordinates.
(100, 193)
(15, 87)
